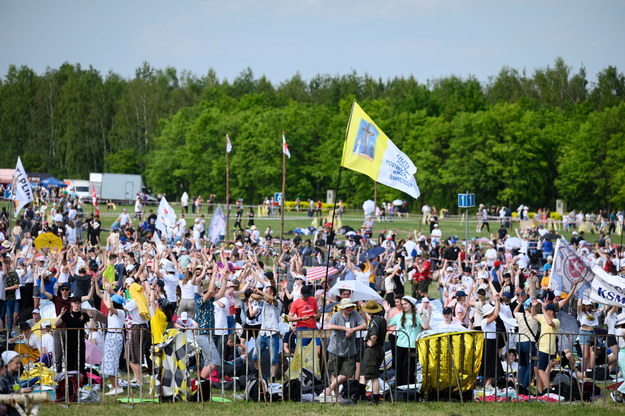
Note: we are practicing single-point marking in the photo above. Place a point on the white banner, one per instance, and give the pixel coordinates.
(397, 171)
(21, 191)
(166, 218)
(568, 268)
(217, 226)
(607, 289)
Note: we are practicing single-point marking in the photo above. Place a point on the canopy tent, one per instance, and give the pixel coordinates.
(52, 182)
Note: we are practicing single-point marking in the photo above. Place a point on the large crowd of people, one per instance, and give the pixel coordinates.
(250, 297)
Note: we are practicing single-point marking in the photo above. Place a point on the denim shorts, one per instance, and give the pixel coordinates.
(585, 336)
(543, 360)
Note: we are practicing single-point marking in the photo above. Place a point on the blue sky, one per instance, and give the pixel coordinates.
(425, 38)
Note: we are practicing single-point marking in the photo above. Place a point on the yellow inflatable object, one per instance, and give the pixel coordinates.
(450, 360)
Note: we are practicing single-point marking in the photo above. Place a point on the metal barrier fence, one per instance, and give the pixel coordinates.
(442, 366)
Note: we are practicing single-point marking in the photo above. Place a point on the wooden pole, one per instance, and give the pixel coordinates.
(333, 233)
(375, 193)
(227, 189)
(282, 204)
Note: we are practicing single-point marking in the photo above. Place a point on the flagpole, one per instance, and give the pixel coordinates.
(282, 203)
(227, 189)
(332, 234)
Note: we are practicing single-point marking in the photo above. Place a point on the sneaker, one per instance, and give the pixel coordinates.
(323, 398)
(616, 396)
(114, 392)
(122, 383)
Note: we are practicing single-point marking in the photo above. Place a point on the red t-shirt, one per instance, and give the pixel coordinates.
(425, 274)
(303, 308)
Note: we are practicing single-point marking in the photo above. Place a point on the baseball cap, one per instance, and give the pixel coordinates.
(447, 310)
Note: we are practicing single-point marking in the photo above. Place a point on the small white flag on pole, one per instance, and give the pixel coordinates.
(228, 144)
(285, 148)
(21, 192)
(159, 244)
(166, 218)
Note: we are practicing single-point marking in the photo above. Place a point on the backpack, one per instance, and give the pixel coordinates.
(292, 390)
(254, 391)
(74, 379)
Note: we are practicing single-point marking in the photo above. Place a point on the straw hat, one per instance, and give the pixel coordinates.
(346, 303)
(371, 307)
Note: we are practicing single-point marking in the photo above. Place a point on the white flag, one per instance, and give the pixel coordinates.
(569, 267)
(607, 289)
(285, 148)
(228, 144)
(166, 217)
(217, 227)
(21, 192)
(159, 244)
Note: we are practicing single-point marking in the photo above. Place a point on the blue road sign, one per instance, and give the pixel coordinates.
(466, 200)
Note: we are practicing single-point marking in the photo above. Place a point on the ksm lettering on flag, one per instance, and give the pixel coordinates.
(569, 267)
(217, 226)
(166, 218)
(368, 150)
(607, 289)
(21, 192)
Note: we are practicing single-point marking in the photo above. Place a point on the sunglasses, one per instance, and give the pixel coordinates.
(64, 289)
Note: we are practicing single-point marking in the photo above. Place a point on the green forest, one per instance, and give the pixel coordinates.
(520, 137)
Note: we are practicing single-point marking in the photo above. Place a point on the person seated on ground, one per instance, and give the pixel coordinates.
(26, 344)
(235, 351)
(46, 345)
(10, 379)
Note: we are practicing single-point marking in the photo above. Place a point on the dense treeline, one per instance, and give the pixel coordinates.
(517, 139)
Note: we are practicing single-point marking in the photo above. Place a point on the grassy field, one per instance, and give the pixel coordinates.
(290, 409)
(402, 226)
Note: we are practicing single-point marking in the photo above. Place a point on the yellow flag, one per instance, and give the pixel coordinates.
(368, 150)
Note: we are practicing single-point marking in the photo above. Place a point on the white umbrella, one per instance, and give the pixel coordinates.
(360, 291)
(368, 207)
(513, 242)
(398, 202)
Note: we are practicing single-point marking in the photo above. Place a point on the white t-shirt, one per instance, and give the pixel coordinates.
(171, 283)
(362, 276)
(221, 316)
(491, 256)
(47, 342)
(270, 316)
(490, 329)
(132, 308)
(124, 218)
(187, 291)
(620, 336)
(96, 338)
(410, 245)
(116, 321)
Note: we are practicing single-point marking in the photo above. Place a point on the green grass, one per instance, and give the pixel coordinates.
(278, 409)
(402, 226)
